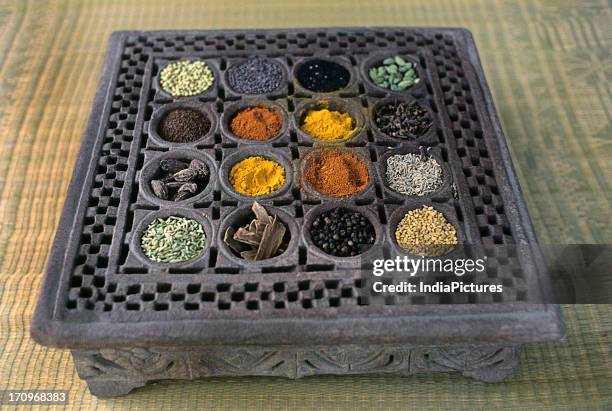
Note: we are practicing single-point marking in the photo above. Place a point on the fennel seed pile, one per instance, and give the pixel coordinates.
(173, 239)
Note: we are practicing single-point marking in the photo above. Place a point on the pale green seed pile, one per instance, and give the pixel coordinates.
(173, 239)
(186, 78)
(395, 74)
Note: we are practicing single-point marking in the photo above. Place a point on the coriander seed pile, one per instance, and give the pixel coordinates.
(413, 174)
(173, 239)
(426, 232)
(186, 78)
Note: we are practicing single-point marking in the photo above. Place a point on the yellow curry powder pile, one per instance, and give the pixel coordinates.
(256, 176)
(328, 125)
(425, 231)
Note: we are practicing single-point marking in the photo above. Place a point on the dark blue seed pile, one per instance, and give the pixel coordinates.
(342, 232)
(255, 76)
(323, 76)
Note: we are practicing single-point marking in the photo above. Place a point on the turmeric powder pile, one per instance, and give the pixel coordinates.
(256, 176)
(328, 125)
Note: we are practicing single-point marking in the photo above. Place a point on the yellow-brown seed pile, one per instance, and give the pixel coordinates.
(425, 231)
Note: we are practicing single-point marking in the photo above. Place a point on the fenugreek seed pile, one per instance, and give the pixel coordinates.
(426, 232)
(413, 174)
(173, 239)
(186, 78)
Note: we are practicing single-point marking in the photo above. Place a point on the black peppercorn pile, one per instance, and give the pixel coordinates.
(342, 232)
(402, 119)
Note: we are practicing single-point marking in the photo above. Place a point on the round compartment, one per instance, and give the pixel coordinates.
(266, 153)
(243, 216)
(160, 113)
(445, 209)
(313, 191)
(429, 137)
(151, 171)
(443, 193)
(234, 109)
(377, 60)
(283, 79)
(135, 243)
(297, 73)
(320, 209)
(210, 90)
(332, 104)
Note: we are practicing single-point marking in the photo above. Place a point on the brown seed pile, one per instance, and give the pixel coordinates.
(425, 231)
(183, 126)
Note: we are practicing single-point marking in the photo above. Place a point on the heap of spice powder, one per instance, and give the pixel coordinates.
(261, 239)
(323, 76)
(413, 174)
(328, 125)
(257, 123)
(178, 180)
(256, 176)
(342, 232)
(255, 76)
(426, 232)
(183, 126)
(186, 78)
(337, 173)
(173, 239)
(402, 119)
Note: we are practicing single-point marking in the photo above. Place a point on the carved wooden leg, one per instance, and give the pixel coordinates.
(112, 388)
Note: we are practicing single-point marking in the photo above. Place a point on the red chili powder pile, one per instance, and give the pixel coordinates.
(257, 123)
(336, 173)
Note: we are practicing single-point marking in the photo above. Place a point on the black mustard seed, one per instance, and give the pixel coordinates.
(323, 76)
(255, 76)
(342, 232)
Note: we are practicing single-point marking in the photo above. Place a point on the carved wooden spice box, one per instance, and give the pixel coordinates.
(128, 320)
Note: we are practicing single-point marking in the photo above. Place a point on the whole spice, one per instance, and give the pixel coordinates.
(413, 174)
(257, 123)
(186, 78)
(256, 176)
(173, 239)
(178, 180)
(402, 119)
(261, 239)
(395, 74)
(328, 125)
(337, 173)
(255, 76)
(183, 126)
(425, 231)
(323, 76)
(342, 232)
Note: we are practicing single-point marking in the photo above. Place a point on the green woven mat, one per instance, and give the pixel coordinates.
(548, 65)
